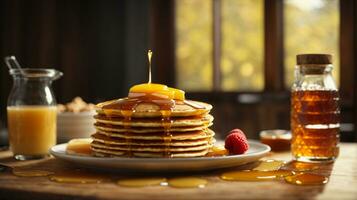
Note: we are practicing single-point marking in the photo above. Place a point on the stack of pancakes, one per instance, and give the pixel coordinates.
(146, 133)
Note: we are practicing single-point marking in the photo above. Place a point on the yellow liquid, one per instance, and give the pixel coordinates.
(32, 129)
(141, 182)
(78, 177)
(157, 89)
(269, 165)
(187, 182)
(31, 173)
(307, 179)
(255, 175)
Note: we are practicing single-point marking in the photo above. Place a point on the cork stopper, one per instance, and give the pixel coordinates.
(314, 59)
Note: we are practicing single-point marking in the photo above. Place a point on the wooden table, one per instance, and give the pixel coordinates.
(342, 184)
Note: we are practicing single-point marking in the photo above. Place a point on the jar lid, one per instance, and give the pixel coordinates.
(314, 59)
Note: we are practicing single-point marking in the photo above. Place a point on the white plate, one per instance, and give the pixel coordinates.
(255, 152)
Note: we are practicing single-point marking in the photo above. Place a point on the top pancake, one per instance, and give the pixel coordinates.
(142, 110)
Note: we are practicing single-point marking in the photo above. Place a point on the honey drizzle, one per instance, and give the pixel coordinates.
(127, 118)
(167, 123)
(149, 57)
(128, 107)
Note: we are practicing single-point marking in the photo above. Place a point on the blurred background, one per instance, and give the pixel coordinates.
(238, 55)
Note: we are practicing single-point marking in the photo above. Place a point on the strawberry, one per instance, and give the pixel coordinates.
(236, 142)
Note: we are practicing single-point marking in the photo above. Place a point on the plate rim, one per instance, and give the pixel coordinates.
(63, 155)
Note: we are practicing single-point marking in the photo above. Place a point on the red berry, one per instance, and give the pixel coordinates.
(236, 142)
(236, 130)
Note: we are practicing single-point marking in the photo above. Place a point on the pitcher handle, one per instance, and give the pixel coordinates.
(57, 75)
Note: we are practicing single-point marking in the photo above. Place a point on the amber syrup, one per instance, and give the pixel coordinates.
(315, 125)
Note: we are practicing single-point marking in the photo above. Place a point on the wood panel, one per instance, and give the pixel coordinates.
(162, 40)
(347, 49)
(100, 46)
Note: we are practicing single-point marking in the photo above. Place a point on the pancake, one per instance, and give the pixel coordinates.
(148, 148)
(148, 110)
(137, 142)
(110, 153)
(122, 129)
(152, 126)
(193, 135)
(177, 122)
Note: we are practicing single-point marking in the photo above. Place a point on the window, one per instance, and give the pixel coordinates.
(194, 45)
(240, 43)
(320, 33)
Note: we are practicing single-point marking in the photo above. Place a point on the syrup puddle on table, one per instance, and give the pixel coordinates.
(177, 182)
(293, 172)
(302, 166)
(252, 175)
(78, 177)
(270, 165)
(142, 182)
(307, 179)
(31, 173)
(187, 182)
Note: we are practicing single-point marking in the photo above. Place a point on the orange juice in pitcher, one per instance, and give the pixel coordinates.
(32, 129)
(32, 112)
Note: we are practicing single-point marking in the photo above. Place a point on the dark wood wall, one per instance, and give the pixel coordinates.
(99, 45)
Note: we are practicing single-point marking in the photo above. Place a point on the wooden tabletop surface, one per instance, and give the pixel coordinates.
(342, 184)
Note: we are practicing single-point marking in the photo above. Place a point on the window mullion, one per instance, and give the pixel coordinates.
(347, 27)
(273, 46)
(217, 38)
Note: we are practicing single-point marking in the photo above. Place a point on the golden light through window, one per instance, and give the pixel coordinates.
(310, 27)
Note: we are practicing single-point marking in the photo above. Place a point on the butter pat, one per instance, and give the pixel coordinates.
(158, 90)
(79, 146)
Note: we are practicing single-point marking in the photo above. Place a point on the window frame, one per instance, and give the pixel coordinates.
(163, 29)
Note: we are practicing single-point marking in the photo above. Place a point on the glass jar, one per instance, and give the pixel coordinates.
(32, 113)
(315, 113)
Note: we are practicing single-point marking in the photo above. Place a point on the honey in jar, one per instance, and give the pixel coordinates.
(314, 110)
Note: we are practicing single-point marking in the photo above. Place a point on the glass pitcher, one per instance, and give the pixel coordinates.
(32, 112)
